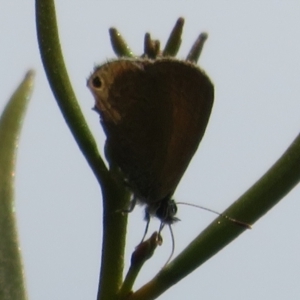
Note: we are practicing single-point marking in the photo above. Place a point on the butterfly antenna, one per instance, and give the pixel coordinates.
(237, 222)
(172, 239)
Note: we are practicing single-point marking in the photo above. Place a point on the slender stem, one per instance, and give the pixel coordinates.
(174, 40)
(197, 47)
(58, 78)
(142, 253)
(119, 45)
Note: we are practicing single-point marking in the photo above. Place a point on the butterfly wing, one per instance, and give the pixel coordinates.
(154, 114)
(191, 94)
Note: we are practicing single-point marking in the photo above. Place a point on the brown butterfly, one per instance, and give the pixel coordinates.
(154, 113)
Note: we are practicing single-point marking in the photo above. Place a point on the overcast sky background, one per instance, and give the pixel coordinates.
(252, 56)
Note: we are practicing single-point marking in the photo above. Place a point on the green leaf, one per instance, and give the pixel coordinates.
(12, 285)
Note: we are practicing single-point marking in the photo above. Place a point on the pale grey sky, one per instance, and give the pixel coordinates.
(252, 56)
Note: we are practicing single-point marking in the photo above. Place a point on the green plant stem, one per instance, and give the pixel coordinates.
(119, 45)
(281, 178)
(58, 78)
(114, 196)
(142, 253)
(12, 286)
(174, 40)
